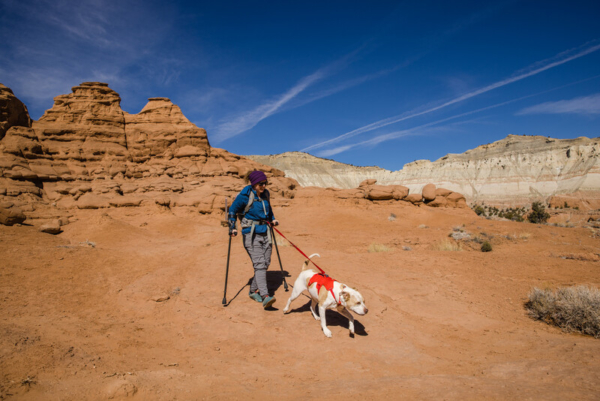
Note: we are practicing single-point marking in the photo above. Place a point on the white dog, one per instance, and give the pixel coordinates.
(329, 294)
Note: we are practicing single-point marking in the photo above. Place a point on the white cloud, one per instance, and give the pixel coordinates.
(535, 69)
(587, 105)
(250, 119)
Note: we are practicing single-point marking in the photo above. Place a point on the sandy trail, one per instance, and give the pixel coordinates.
(79, 322)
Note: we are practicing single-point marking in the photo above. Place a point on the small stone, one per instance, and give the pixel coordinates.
(51, 228)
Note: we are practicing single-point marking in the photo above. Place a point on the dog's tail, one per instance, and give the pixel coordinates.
(305, 265)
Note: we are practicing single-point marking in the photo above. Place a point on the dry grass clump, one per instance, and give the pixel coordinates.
(446, 245)
(570, 308)
(378, 248)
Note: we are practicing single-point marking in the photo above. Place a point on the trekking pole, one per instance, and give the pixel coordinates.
(228, 252)
(285, 285)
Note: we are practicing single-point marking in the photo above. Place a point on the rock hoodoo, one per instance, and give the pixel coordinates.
(87, 153)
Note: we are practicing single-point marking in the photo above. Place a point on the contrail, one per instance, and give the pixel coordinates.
(546, 65)
(249, 119)
(411, 131)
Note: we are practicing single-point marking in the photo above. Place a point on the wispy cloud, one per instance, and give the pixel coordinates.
(587, 105)
(536, 68)
(250, 119)
(414, 131)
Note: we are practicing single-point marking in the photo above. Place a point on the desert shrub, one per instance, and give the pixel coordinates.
(486, 247)
(538, 213)
(378, 248)
(570, 308)
(479, 210)
(446, 245)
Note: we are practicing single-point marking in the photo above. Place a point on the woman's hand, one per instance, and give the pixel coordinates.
(275, 222)
(233, 232)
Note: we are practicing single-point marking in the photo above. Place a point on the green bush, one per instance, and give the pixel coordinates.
(479, 210)
(486, 247)
(538, 213)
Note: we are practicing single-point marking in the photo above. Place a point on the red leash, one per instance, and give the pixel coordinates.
(298, 249)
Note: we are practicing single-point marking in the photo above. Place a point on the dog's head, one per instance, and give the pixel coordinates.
(353, 300)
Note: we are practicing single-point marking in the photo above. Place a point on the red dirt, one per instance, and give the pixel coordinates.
(83, 323)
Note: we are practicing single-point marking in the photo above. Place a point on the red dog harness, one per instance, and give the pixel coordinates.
(323, 281)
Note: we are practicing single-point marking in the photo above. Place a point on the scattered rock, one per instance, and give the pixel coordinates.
(161, 298)
(10, 214)
(52, 227)
(429, 192)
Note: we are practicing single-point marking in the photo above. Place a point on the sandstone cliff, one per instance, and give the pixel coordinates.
(87, 153)
(517, 169)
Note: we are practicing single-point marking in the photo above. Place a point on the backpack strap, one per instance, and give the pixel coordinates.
(250, 202)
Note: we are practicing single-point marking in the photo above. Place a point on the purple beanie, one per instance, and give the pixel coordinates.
(256, 177)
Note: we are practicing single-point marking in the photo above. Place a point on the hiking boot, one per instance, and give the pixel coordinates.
(268, 301)
(255, 296)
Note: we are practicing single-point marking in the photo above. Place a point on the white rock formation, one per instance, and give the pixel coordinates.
(517, 169)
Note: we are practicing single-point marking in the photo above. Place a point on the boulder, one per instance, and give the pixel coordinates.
(400, 192)
(367, 183)
(10, 214)
(429, 192)
(442, 192)
(414, 198)
(457, 200)
(439, 201)
(380, 192)
(53, 227)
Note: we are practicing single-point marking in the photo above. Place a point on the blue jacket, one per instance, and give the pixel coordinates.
(256, 211)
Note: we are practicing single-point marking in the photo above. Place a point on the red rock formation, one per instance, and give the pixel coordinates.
(12, 111)
(86, 153)
(161, 127)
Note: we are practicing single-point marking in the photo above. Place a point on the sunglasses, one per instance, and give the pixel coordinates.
(262, 183)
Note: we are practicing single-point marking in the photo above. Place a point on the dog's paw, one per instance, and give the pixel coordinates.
(317, 318)
(327, 333)
(286, 310)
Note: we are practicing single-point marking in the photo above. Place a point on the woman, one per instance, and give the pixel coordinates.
(253, 206)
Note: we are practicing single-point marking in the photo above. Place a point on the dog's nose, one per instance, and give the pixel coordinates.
(366, 310)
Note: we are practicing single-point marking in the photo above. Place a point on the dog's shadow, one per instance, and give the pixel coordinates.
(334, 319)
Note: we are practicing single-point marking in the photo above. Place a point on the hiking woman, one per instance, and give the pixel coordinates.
(253, 204)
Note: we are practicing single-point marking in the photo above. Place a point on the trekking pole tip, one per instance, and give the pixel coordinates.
(224, 301)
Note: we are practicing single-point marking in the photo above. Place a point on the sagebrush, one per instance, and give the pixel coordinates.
(570, 308)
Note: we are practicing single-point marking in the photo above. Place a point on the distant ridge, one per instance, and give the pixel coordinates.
(516, 169)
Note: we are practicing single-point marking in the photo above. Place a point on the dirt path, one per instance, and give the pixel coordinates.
(138, 314)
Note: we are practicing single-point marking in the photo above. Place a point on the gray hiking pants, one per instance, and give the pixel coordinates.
(259, 250)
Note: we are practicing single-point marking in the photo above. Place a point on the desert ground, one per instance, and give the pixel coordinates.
(125, 303)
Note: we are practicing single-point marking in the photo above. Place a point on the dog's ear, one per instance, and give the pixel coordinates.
(346, 296)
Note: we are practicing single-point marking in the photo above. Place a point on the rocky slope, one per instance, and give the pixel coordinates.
(87, 153)
(517, 169)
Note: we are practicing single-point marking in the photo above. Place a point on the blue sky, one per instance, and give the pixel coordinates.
(381, 84)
